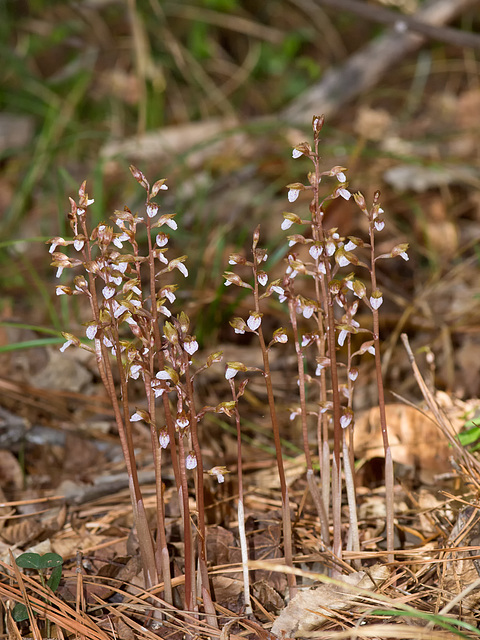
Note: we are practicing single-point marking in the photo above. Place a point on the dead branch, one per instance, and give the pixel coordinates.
(365, 68)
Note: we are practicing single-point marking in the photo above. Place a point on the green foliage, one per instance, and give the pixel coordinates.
(288, 63)
(47, 563)
(471, 436)
(444, 622)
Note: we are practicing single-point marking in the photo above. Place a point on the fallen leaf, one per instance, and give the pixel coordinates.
(408, 431)
(310, 609)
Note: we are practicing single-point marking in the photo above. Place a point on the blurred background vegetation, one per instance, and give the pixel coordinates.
(79, 77)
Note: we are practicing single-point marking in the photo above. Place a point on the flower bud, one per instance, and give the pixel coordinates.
(317, 123)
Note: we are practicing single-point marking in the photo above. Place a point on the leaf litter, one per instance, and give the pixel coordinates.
(437, 526)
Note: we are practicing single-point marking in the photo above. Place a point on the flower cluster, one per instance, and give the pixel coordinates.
(335, 263)
(119, 299)
(112, 263)
(254, 321)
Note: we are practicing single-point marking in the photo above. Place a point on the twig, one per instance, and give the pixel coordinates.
(404, 22)
(365, 68)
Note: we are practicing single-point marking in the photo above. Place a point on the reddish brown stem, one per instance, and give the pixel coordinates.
(286, 516)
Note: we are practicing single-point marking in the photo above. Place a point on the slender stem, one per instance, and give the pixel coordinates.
(140, 519)
(322, 514)
(328, 301)
(123, 423)
(187, 530)
(349, 464)
(352, 511)
(322, 427)
(202, 531)
(163, 561)
(389, 474)
(155, 326)
(143, 529)
(241, 512)
(162, 555)
(286, 516)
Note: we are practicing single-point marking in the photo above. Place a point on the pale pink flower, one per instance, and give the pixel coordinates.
(91, 331)
(152, 209)
(230, 373)
(191, 460)
(254, 321)
(191, 346)
(108, 292)
(164, 439)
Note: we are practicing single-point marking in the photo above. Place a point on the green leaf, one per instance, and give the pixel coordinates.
(29, 561)
(38, 562)
(470, 436)
(20, 612)
(50, 561)
(442, 621)
(55, 578)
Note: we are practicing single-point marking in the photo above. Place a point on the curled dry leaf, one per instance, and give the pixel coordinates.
(408, 431)
(460, 575)
(310, 609)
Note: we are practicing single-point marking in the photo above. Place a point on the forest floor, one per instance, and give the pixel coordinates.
(214, 100)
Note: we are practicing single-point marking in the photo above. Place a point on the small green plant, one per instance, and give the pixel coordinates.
(48, 568)
(132, 329)
(470, 436)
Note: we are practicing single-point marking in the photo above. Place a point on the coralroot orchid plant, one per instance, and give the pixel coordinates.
(133, 330)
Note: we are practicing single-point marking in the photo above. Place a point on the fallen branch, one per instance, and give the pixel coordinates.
(402, 21)
(365, 68)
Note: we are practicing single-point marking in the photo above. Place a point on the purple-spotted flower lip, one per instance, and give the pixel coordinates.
(161, 239)
(164, 439)
(316, 251)
(353, 374)
(91, 331)
(190, 346)
(152, 209)
(344, 193)
(262, 278)
(182, 421)
(191, 461)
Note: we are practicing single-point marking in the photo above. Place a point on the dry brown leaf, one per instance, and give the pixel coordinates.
(268, 478)
(11, 474)
(409, 431)
(124, 631)
(23, 531)
(463, 568)
(310, 609)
